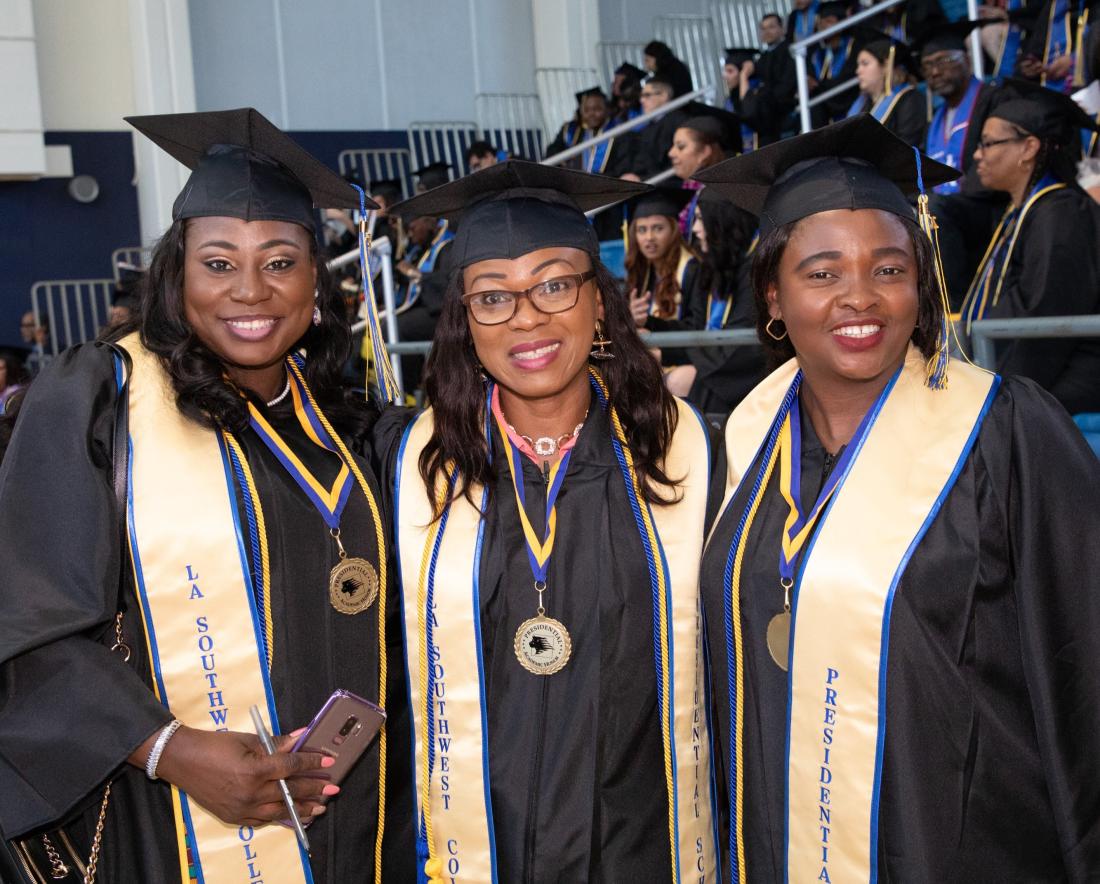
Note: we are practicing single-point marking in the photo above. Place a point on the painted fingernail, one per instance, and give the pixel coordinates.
(330, 790)
(328, 761)
(318, 809)
(297, 733)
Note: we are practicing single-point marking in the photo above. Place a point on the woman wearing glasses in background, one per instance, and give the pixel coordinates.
(1044, 258)
(549, 514)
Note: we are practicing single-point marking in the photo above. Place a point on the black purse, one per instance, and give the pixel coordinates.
(52, 856)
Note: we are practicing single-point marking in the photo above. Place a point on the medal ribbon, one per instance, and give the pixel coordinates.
(330, 502)
(799, 526)
(538, 552)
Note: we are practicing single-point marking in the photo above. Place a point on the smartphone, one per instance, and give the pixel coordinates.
(343, 729)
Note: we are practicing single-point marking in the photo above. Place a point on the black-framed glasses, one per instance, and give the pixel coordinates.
(550, 296)
(942, 62)
(985, 144)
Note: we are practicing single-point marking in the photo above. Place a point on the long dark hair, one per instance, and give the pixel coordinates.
(456, 388)
(729, 231)
(203, 392)
(765, 273)
(667, 293)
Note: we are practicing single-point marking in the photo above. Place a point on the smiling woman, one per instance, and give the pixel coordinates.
(195, 493)
(550, 511)
(898, 546)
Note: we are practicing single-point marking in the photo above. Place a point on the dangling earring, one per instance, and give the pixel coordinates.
(601, 344)
(773, 335)
(316, 309)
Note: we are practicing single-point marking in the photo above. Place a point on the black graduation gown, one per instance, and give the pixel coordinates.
(690, 316)
(909, 118)
(1055, 271)
(71, 712)
(725, 375)
(993, 693)
(766, 108)
(575, 760)
(649, 154)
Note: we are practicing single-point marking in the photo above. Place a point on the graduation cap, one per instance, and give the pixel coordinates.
(668, 201)
(738, 55)
(889, 51)
(586, 93)
(389, 189)
(434, 174)
(833, 9)
(947, 36)
(631, 71)
(716, 124)
(243, 166)
(855, 164)
(516, 207)
(1039, 111)
(14, 354)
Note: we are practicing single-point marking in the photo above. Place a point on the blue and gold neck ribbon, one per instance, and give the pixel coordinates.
(985, 290)
(329, 501)
(804, 21)
(947, 144)
(538, 552)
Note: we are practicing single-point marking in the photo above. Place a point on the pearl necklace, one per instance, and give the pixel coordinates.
(282, 395)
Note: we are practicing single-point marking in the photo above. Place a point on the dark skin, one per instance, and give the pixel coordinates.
(421, 231)
(855, 272)
(258, 273)
(594, 111)
(551, 399)
(947, 73)
(1008, 164)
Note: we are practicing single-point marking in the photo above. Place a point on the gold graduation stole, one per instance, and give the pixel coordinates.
(206, 631)
(442, 559)
(903, 467)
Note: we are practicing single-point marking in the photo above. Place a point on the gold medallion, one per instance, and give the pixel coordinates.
(352, 585)
(779, 638)
(543, 645)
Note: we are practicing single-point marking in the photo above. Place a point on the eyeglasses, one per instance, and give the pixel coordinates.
(985, 144)
(930, 65)
(551, 296)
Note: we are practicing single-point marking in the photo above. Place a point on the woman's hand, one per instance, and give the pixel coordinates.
(1060, 67)
(679, 380)
(231, 775)
(639, 307)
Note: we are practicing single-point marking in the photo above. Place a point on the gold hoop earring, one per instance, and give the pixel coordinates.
(773, 335)
(600, 344)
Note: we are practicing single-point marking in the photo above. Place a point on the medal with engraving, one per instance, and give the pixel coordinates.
(353, 581)
(542, 644)
(799, 526)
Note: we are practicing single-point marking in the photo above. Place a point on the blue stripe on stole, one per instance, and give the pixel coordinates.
(143, 601)
(764, 453)
(948, 486)
(246, 571)
(420, 876)
(876, 409)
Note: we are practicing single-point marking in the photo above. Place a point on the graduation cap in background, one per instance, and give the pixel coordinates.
(243, 166)
(14, 354)
(631, 71)
(833, 9)
(389, 189)
(855, 164)
(1040, 111)
(738, 55)
(516, 207)
(665, 200)
(717, 124)
(433, 174)
(946, 36)
(585, 93)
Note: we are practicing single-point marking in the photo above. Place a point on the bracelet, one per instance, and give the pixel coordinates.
(158, 747)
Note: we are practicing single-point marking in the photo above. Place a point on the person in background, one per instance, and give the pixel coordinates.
(1044, 257)
(802, 20)
(660, 62)
(13, 373)
(481, 155)
(419, 308)
(386, 193)
(831, 63)
(894, 589)
(1055, 53)
(660, 266)
(767, 85)
(650, 146)
(432, 175)
(35, 333)
(734, 60)
(716, 379)
(126, 296)
(626, 89)
(699, 142)
(883, 66)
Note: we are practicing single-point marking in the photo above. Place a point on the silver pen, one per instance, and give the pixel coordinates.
(269, 747)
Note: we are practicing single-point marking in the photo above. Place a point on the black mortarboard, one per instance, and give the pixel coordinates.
(717, 124)
(434, 174)
(244, 167)
(854, 164)
(946, 36)
(738, 55)
(1040, 111)
(631, 71)
(389, 189)
(14, 353)
(834, 9)
(667, 201)
(585, 93)
(516, 207)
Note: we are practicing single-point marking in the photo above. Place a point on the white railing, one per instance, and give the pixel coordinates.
(378, 164)
(738, 24)
(511, 122)
(73, 309)
(692, 40)
(613, 53)
(444, 141)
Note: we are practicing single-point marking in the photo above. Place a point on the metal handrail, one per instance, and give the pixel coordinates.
(984, 331)
(577, 149)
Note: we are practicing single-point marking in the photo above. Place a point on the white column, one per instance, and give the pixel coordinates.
(22, 149)
(566, 33)
(164, 83)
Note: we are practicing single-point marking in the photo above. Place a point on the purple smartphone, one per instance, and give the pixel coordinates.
(343, 730)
